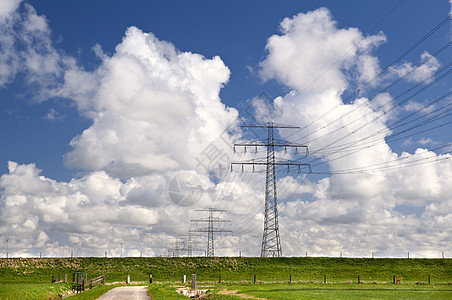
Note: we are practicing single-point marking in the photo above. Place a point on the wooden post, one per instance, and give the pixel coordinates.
(73, 277)
(65, 278)
(254, 278)
(193, 281)
(150, 278)
(219, 279)
(83, 283)
(290, 278)
(324, 278)
(358, 279)
(428, 279)
(393, 279)
(53, 279)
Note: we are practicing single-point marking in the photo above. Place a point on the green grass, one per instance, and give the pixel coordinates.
(336, 291)
(164, 291)
(33, 290)
(94, 293)
(21, 278)
(339, 270)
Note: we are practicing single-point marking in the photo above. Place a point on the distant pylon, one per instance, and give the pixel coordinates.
(210, 229)
(271, 243)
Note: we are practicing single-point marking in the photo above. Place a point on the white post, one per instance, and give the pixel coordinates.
(185, 278)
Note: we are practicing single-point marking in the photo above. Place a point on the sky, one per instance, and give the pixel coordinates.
(108, 108)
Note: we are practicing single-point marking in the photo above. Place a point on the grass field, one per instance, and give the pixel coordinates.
(24, 277)
(335, 291)
(337, 270)
(32, 290)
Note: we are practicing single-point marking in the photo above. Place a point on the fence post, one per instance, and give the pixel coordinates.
(193, 281)
(150, 278)
(290, 278)
(358, 279)
(53, 279)
(83, 283)
(428, 279)
(324, 278)
(128, 279)
(255, 278)
(219, 279)
(65, 278)
(393, 279)
(184, 279)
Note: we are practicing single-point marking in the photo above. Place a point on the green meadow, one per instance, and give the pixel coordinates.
(266, 278)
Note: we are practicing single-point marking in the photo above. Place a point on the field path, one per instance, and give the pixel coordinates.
(126, 293)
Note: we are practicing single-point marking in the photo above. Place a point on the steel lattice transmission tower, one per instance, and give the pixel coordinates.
(210, 229)
(271, 243)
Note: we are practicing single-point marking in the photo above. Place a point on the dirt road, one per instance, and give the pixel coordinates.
(126, 293)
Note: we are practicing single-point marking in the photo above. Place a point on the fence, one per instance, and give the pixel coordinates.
(81, 283)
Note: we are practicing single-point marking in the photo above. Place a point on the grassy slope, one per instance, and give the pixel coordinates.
(231, 269)
(20, 270)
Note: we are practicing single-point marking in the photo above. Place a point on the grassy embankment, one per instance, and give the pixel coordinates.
(236, 273)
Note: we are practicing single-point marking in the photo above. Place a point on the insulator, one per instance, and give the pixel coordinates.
(234, 151)
(242, 168)
(299, 169)
(288, 168)
(256, 149)
(296, 150)
(285, 150)
(245, 149)
(231, 167)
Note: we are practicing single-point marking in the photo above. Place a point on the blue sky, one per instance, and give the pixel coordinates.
(78, 122)
(236, 32)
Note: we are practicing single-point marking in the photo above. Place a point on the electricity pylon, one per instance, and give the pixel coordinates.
(210, 229)
(271, 243)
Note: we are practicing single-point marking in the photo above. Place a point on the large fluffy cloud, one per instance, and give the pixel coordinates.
(372, 210)
(314, 54)
(153, 107)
